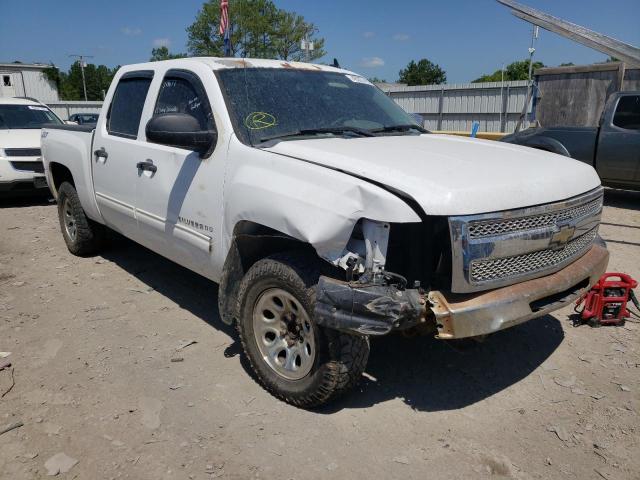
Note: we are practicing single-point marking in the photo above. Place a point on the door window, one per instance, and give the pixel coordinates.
(182, 92)
(126, 107)
(628, 113)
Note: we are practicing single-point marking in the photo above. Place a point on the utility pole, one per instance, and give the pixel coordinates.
(82, 65)
(532, 49)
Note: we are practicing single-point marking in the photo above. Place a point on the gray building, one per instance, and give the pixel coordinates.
(27, 80)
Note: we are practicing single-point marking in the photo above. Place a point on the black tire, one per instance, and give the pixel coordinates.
(89, 235)
(339, 358)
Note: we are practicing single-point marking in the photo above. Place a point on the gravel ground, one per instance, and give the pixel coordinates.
(101, 380)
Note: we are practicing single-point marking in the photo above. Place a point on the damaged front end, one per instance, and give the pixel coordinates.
(371, 300)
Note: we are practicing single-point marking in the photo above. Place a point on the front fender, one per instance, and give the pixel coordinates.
(540, 142)
(311, 203)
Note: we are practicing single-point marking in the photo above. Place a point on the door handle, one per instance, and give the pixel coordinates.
(101, 153)
(147, 165)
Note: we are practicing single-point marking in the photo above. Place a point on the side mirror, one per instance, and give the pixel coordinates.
(181, 130)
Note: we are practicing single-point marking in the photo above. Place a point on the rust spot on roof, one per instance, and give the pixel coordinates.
(234, 62)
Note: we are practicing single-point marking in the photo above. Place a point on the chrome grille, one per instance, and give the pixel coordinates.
(490, 250)
(499, 227)
(22, 152)
(504, 268)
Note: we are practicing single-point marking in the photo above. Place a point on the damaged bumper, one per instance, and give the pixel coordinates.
(379, 309)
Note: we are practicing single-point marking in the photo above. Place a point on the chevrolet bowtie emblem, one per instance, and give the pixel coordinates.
(562, 236)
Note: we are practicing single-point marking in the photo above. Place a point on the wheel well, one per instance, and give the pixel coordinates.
(250, 242)
(60, 174)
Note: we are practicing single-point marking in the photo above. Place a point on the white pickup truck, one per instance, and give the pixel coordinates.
(324, 212)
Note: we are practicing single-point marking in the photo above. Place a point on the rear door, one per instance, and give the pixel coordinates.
(178, 203)
(618, 154)
(114, 153)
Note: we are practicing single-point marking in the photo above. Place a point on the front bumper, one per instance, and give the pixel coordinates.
(377, 309)
(13, 180)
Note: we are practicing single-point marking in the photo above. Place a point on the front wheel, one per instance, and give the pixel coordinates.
(293, 358)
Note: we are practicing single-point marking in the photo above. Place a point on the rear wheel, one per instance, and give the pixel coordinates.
(83, 236)
(293, 358)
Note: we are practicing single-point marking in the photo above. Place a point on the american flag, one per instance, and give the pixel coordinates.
(224, 16)
(224, 26)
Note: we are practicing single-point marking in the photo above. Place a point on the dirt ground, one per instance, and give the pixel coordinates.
(100, 377)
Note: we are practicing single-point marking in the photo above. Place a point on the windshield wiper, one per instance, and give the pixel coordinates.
(318, 131)
(400, 128)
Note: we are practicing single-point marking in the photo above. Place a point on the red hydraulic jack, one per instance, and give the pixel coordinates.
(606, 302)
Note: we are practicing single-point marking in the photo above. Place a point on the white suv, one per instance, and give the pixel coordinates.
(21, 168)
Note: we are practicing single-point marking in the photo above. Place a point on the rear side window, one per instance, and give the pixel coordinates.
(628, 113)
(182, 92)
(126, 106)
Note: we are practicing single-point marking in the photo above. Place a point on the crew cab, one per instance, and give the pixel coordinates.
(612, 148)
(21, 168)
(324, 212)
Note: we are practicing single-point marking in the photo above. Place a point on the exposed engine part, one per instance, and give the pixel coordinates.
(376, 239)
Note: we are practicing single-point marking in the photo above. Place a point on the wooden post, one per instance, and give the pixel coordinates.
(505, 108)
(440, 105)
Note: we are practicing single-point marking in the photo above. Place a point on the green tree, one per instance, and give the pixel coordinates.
(163, 53)
(424, 72)
(376, 80)
(567, 64)
(518, 70)
(69, 84)
(289, 31)
(257, 29)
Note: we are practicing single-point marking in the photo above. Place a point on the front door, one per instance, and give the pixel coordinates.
(618, 153)
(178, 192)
(114, 147)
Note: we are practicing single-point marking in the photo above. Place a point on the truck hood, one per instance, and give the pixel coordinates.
(20, 138)
(450, 175)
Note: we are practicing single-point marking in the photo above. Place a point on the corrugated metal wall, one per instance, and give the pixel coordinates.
(64, 109)
(35, 85)
(495, 105)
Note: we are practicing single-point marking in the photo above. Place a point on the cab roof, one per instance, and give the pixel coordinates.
(221, 63)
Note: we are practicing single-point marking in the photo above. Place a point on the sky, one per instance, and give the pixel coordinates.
(375, 38)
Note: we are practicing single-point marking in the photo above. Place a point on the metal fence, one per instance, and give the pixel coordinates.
(454, 107)
(64, 109)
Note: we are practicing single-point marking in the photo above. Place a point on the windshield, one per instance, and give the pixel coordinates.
(268, 103)
(25, 116)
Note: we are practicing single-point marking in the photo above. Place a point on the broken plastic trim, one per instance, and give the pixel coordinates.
(367, 308)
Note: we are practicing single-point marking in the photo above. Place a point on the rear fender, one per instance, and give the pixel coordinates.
(72, 150)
